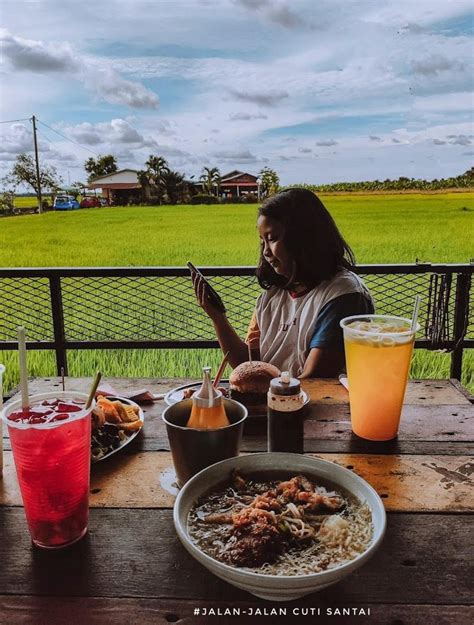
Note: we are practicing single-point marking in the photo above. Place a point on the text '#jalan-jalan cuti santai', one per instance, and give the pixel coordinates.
(283, 611)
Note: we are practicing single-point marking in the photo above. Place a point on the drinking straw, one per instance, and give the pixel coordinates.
(62, 379)
(416, 308)
(23, 367)
(220, 371)
(250, 351)
(94, 386)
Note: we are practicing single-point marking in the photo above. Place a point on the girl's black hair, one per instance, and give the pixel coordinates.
(310, 236)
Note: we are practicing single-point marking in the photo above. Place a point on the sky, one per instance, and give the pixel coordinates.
(321, 91)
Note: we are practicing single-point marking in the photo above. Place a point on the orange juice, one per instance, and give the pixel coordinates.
(378, 354)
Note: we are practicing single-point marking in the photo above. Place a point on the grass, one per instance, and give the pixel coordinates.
(398, 228)
(380, 228)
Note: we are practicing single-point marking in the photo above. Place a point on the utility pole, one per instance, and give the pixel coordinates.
(38, 179)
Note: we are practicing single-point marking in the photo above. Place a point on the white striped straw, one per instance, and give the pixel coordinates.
(414, 317)
(23, 367)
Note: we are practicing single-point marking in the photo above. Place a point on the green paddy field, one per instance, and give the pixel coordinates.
(398, 228)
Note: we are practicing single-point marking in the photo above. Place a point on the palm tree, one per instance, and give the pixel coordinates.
(173, 185)
(210, 178)
(152, 177)
(269, 181)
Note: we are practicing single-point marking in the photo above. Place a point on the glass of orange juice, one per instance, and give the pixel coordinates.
(378, 354)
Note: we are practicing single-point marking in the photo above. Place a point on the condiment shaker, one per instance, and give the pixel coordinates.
(207, 412)
(286, 408)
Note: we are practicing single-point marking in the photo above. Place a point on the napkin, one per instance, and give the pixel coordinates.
(344, 381)
(141, 395)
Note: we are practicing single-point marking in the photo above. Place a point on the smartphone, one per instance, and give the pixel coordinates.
(214, 297)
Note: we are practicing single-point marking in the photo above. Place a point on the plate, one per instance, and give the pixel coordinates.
(177, 394)
(129, 437)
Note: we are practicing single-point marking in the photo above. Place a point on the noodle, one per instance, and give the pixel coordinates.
(300, 540)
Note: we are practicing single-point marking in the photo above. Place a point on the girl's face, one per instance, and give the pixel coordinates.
(274, 250)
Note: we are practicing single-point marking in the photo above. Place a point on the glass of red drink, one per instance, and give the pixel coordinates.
(51, 442)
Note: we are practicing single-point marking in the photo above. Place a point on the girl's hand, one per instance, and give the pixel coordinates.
(202, 296)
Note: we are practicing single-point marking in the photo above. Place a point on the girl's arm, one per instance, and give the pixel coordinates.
(231, 342)
(228, 338)
(326, 354)
(323, 363)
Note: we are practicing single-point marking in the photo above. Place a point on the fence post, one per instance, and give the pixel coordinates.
(58, 323)
(461, 313)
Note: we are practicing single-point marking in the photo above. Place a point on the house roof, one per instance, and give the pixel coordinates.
(114, 173)
(236, 174)
(122, 179)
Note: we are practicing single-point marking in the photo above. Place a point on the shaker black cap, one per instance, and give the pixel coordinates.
(285, 385)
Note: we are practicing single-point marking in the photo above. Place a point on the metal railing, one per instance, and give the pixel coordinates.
(154, 307)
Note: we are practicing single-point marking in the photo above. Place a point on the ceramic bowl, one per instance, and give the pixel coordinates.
(271, 587)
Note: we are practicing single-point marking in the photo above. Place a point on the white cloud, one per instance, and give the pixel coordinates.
(384, 69)
(446, 102)
(33, 56)
(117, 90)
(37, 56)
(327, 143)
(15, 139)
(117, 131)
(246, 116)
(236, 156)
(435, 64)
(460, 139)
(280, 14)
(263, 98)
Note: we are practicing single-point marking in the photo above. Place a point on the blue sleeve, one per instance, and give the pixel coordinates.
(327, 331)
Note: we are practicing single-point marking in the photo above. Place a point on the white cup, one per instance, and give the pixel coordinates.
(2, 371)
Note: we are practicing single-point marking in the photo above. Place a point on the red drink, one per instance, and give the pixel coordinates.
(51, 447)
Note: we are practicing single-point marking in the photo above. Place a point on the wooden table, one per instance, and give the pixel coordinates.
(132, 569)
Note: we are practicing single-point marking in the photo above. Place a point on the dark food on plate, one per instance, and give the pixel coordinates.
(280, 527)
(249, 384)
(112, 423)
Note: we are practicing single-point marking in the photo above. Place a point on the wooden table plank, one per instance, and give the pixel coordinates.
(136, 553)
(115, 611)
(417, 423)
(419, 392)
(327, 428)
(406, 483)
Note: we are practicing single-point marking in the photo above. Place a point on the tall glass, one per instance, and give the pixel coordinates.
(53, 467)
(378, 354)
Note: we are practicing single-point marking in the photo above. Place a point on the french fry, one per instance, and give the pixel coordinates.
(134, 426)
(110, 410)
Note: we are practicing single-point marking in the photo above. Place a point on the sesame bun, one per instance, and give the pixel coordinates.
(253, 377)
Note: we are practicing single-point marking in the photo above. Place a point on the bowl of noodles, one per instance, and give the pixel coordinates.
(279, 525)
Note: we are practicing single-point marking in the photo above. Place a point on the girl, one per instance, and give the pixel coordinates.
(306, 271)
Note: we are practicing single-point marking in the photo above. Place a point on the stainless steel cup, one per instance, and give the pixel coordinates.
(193, 450)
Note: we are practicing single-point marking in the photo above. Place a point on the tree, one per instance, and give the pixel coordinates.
(173, 186)
(269, 182)
(24, 172)
(7, 202)
(152, 178)
(211, 179)
(100, 166)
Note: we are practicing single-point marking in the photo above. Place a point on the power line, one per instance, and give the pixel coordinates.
(67, 138)
(12, 121)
